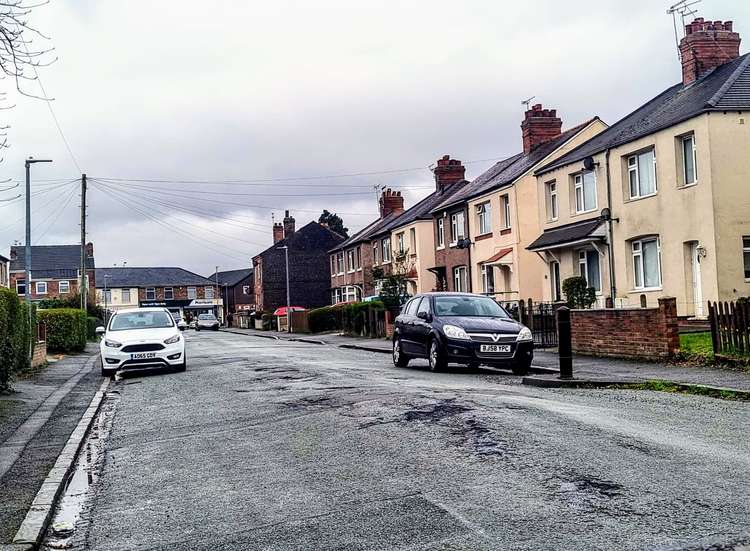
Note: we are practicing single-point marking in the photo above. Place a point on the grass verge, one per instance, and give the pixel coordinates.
(657, 385)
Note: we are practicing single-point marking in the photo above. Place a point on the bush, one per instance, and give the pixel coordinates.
(67, 329)
(577, 292)
(323, 319)
(92, 324)
(350, 317)
(16, 337)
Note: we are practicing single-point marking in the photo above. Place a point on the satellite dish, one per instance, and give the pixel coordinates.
(588, 163)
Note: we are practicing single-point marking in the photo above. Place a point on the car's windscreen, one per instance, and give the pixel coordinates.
(140, 320)
(468, 306)
(206, 317)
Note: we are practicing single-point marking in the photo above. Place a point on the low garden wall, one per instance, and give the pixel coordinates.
(634, 333)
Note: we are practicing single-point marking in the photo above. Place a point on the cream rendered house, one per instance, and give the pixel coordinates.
(659, 204)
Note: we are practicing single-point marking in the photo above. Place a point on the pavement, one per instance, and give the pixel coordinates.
(277, 445)
(35, 423)
(546, 362)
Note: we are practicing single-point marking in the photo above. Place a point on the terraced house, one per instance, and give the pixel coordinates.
(658, 204)
(481, 232)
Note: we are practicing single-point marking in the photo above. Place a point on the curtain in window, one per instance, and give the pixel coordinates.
(651, 264)
(646, 179)
(589, 191)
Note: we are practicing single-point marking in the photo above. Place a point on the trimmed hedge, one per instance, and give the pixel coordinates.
(16, 337)
(349, 317)
(67, 329)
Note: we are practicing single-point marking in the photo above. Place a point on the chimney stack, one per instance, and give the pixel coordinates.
(448, 172)
(278, 232)
(288, 225)
(707, 44)
(391, 201)
(539, 126)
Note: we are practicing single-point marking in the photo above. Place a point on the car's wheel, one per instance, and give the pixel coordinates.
(521, 368)
(399, 358)
(436, 356)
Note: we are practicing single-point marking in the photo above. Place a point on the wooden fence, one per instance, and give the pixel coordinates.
(730, 327)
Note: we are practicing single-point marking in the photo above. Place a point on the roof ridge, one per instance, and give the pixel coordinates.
(716, 98)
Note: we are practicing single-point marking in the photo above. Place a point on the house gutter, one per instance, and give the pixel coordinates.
(612, 284)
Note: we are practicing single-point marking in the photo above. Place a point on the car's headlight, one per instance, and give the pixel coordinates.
(454, 332)
(525, 335)
(172, 340)
(112, 344)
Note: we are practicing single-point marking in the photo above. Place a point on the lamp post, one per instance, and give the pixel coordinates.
(216, 279)
(288, 302)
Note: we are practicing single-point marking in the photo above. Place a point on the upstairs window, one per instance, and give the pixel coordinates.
(386, 250)
(413, 241)
(340, 263)
(505, 211)
(41, 287)
(108, 296)
(375, 255)
(689, 160)
(484, 218)
(358, 258)
(646, 263)
(642, 174)
(458, 227)
(551, 195)
(192, 292)
(125, 293)
(585, 191)
(441, 232)
(746, 255)
(400, 243)
(20, 287)
(168, 293)
(63, 287)
(209, 293)
(350, 260)
(150, 293)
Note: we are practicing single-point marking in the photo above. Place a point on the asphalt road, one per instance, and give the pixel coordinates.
(277, 445)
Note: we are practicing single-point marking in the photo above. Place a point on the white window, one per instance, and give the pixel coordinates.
(126, 296)
(108, 297)
(484, 218)
(350, 260)
(400, 243)
(375, 255)
(441, 232)
(350, 294)
(340, 263)
(642, 174)
(413, 241)
(41, 287)
(588, 268)
(63, 287)
(554, 274)
(458, 229)
(488, 279)
(208, 292)
(459, 279)
(585, 191)
(689, 160)
(192, 292)
(647, 263)
(168, 293)
(505, 206)
(150, 293)
(358, 259)
(551, 193)
(746, 255)
(386, 243)
(333, 264)
(20, 287)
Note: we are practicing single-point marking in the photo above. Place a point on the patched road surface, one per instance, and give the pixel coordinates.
(280, 445)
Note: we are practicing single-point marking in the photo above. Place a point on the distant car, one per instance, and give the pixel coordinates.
(207, 321)
(141, 338)
(461, 328)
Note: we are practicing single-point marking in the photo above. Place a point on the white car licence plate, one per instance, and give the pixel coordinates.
(499, 348)
(143, 356)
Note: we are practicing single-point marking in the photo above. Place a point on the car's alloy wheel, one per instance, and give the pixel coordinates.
(399, 358)
(436, 358)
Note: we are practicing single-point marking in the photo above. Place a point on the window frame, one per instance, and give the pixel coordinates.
(60, 287)
(340, 267)
(683, 139)
(413, 241)
(582, 187)
(192, 292)
(358, 258)
(401, 242)
(553, 207)
(19, 283)
(488, 279)
(350, 261)
(583, 261)
(151, 291)
(386, 249)
(333, 264)
(171, 293)
(458, 233)
(639, 266)
(441, 233)
(108, 296)
(634, 169)
(457, 271)
(208, 290)
(375, 251)
(746, 251)
(484, 218)
(122, 296)
(555, 280)
(36, 288)
(505, 208)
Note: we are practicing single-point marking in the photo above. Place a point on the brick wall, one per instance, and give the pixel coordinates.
(53, 286)
(40, 354)
(179, 293)
(361, 278)
(642, 333)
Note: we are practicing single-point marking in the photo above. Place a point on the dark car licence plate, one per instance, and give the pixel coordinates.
(495, 348)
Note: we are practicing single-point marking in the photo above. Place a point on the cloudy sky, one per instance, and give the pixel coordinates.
(155, 97)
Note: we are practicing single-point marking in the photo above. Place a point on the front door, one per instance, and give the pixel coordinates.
(697, 291)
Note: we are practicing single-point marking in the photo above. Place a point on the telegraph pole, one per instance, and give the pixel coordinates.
(82, 286)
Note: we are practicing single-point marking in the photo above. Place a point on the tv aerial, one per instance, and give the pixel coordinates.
(683, 8)
(527, 102)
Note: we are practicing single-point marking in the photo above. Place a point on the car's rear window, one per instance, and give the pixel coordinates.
(468, 306)
(140, 320)
(206, 317)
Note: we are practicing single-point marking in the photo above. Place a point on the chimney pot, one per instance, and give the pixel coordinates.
(705, 46)
(539, 126)
(390, 202)
(288, 225)
(448, 172)
(278, 232)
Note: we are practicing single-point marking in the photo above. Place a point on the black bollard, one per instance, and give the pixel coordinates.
(564, 343)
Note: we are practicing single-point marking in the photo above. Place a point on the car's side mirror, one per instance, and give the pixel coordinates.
(426, 316)
(181, 325)
(100, 330)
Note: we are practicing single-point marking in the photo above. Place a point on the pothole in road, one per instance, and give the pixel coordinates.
(481, 439)
(591, 494)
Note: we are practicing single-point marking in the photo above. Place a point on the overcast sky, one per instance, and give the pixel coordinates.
(249, 90)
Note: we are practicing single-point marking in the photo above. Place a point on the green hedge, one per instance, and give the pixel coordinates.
(349, 317)
(92, 324)
(15, 336)
(67, 329)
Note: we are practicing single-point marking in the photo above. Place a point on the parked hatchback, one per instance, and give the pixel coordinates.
(461, 328)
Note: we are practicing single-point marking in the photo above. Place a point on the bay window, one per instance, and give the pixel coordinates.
(588, 268)
(585, 191)
(646, 263)
(484, 218)
(642, 174)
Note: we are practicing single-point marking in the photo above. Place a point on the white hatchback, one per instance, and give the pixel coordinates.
(142, 338)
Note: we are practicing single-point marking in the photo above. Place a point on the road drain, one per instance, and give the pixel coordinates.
(73, 504)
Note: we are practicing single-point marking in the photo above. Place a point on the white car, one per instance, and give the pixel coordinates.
(141, 338)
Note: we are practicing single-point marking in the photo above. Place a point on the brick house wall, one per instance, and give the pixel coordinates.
(362, 277)
(180, 293)
(451, 256)
(53, 286)
(637, 333)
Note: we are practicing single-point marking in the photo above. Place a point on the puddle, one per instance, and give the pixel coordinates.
(75, 498)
